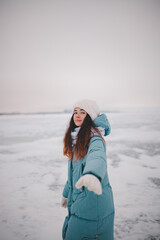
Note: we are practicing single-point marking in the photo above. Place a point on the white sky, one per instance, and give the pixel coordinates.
(53, 53)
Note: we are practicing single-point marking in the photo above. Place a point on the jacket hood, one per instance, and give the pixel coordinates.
(102, 121)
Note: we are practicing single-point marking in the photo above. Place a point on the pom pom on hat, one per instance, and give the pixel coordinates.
(89, 106)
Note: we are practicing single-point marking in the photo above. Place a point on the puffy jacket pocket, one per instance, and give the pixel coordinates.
(79, 194)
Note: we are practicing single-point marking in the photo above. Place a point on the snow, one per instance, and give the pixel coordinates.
(33, 172)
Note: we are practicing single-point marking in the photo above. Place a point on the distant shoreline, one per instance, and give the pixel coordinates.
(110, 110)
(41, 113)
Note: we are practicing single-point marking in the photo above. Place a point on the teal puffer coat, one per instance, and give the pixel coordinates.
(82, 202)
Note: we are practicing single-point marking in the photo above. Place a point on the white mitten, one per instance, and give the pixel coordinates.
(91, 182)
(64, 202)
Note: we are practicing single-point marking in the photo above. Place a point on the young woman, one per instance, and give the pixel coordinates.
(87, 193)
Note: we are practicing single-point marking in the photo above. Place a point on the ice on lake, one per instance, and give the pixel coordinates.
(33, 172)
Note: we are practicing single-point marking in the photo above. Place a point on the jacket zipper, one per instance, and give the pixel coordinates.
(82, 168)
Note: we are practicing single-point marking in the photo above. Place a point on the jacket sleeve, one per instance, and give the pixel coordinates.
(96, 159)
(66, 190)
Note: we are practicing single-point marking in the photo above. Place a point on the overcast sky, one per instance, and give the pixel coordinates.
(55, 52)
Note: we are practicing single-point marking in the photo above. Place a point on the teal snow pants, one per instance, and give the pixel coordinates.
(76, 228)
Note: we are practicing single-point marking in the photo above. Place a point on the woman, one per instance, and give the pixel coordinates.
(87, 193)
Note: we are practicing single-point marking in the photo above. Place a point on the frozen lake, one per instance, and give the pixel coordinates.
(33, 172)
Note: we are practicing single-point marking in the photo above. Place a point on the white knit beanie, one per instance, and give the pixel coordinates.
(89, 106)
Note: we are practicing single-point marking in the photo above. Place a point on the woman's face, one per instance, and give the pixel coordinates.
(79, 116)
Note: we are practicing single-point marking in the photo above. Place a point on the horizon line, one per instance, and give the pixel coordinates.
(110, 109)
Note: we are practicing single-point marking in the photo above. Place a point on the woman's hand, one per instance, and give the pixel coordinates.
(64, 202)
(91, 182)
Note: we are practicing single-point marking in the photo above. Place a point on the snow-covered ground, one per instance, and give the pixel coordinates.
(33, 172)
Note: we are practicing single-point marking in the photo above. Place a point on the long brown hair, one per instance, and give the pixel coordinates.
(83, 138)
